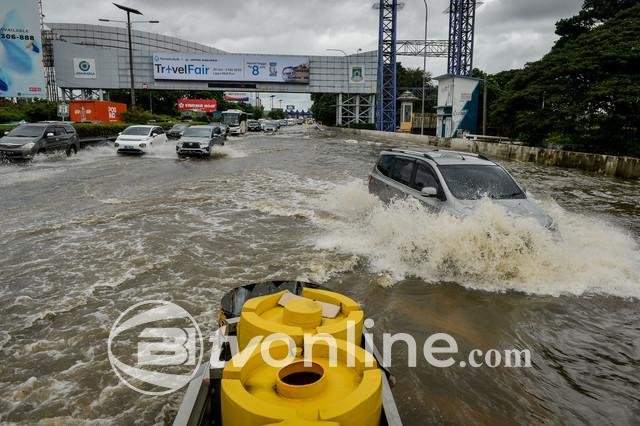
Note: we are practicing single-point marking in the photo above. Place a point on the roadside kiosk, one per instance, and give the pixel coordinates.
(406, 100)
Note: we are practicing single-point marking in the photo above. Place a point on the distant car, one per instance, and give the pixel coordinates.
(451, 181)
(200, 140)
(28, 140)
(283, 122)
(193, 116)
(223, 126)
(270, 126)
(253, 126)
(139, 139)
(176, 131)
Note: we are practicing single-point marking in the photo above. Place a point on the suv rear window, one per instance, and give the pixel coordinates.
(385, 163)
(402, 170)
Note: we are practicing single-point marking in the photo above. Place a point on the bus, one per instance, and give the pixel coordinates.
(236, 120)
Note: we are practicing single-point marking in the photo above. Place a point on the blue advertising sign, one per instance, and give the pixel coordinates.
(21, 70)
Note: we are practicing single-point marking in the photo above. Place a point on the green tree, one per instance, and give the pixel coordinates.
(276, 114)
(258, 112)
(410, 77)
(324, 108)
(28, 110)
(585, 91)
(593, 12)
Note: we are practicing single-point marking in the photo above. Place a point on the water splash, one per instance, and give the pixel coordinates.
(226, 151)
(489, 250)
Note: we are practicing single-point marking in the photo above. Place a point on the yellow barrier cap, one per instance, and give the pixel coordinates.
(305, 313)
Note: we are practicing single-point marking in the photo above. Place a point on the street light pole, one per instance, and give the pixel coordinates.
(129, 22)
(348, 75)
(133, 87)
(424, 64)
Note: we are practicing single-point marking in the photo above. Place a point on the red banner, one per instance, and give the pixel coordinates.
(205, 105)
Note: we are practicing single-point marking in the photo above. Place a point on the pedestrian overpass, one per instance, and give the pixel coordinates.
(90, 58)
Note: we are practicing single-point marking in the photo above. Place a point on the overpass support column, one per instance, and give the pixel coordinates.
(355, 109)
(372, 111)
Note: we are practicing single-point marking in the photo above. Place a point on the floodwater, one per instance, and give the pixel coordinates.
(86, 237)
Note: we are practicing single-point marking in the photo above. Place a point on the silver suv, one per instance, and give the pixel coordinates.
(450, 181)
(200, 140)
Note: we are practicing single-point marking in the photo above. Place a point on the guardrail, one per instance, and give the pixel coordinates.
(608, 165)
(487, 138)
(96, 140)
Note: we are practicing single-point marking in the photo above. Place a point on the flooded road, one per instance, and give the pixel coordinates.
(86, 237)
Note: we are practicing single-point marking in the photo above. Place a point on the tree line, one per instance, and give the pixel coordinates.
(582, 95)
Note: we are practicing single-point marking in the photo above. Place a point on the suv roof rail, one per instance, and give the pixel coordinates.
(409, 151)
(443, 152)
(469, 154)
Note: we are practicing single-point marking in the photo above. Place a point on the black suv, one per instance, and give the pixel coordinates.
(27, 140)
(177, 130)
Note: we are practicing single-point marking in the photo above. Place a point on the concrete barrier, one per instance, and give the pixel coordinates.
(608, 165)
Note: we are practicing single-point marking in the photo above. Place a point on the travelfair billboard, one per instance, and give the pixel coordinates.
(21, 70)
(240, 68)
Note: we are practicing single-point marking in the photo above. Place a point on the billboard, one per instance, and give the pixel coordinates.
(236, 97)
(457, 105)
(21, 70)
(247, 68)
(205, 105)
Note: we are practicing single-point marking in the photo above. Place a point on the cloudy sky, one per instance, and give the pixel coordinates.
(509, 33)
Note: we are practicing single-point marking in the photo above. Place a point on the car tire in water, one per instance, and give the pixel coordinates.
(71, 150)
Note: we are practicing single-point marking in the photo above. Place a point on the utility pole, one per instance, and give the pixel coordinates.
(424, 63)
(484, 108)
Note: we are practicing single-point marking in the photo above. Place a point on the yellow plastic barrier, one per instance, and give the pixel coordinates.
(263, 316)
(255, 393)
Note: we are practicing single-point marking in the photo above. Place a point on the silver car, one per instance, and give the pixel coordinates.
(200, 140)
(270, 126)
(451, 181)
